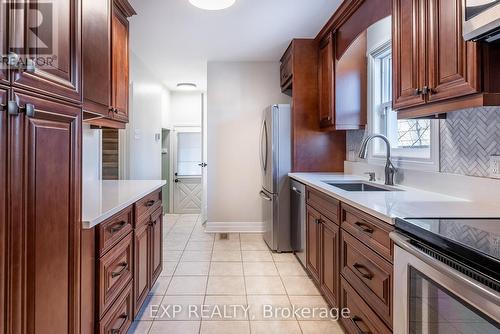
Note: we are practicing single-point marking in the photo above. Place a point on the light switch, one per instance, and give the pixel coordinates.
(495, 166)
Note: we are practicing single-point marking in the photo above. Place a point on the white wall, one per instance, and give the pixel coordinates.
(185, 108)
(148, 113)
(91, 154)
(238, 92)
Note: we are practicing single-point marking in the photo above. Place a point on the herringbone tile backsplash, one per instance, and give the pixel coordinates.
(468, 138)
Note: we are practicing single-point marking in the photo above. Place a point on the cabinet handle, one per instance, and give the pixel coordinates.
(30, 66)
(13, 59)
(367, 274)
(317, 221)
(3, 107)
(123, 316)
(150, 203)
(417, 92)
(365, 228)
(117, 227)
(124, 266)
(425, 90)
(14, 109)
(357, 319)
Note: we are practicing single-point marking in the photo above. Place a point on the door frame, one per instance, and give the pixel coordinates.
(173, 159)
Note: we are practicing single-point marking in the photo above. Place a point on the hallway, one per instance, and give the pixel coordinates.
(232, 278)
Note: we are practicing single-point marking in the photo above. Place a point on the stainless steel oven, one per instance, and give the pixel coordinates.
(436, 294)
(481, 20)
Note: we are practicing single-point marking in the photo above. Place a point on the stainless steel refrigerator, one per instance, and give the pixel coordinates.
(275, 161)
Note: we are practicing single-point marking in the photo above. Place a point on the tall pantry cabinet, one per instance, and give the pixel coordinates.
(40, 168)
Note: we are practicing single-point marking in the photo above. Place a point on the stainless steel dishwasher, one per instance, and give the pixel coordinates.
(298, 219)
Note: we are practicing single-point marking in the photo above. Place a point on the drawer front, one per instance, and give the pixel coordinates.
(369, 273)
(369, 230)
(146, 206)
(120, 316)
(115, 272)
(362, 319)
(328, 206)
(114, 229)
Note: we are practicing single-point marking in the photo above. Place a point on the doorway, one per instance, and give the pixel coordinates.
(187, 168)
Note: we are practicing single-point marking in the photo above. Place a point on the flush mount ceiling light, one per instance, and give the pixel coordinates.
(186, 86)
(212, 4)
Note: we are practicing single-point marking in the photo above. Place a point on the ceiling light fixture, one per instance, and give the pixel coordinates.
(186, 86)
(212, 4)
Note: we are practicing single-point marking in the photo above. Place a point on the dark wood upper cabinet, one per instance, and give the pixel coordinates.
(4, 47)
(326, 82)
(408, 49)
(44, 266)
(96, 29)
(3, 206)
(106, 55)
(434, 70)
(53, 67)
(453, 65)
(119, 64)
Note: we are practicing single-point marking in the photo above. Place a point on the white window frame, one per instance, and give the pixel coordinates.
(398, 158)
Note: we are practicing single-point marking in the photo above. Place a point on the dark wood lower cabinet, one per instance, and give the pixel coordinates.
(141, 265)
(44, 228)
(329, 280)
(362, 318)
(313, 242)
(121, 260)
(349, 256)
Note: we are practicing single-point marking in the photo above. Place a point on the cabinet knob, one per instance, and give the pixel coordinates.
(14, 109)
(417, 92)
(30, 66)
(3, 107)
(13, 59)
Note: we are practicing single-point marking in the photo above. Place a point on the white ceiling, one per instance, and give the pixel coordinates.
(176, 39)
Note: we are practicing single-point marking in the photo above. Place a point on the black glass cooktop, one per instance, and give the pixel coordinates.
(475, 242)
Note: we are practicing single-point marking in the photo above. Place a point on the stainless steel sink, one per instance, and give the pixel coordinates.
(360, 186)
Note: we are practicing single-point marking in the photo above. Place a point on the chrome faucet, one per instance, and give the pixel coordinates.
(390, 170)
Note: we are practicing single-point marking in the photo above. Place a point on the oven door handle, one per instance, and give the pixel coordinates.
(481, 290)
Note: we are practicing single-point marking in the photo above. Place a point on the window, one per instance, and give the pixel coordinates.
(414, 142)
(188, 153)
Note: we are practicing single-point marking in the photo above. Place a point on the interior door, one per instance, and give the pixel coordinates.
(45, 229)
(188, 187)
(46, 36)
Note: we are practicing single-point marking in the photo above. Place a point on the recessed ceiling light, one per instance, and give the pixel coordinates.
(212, 4)
(186, 86)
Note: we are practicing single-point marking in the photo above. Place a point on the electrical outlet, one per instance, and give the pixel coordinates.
(495, 166)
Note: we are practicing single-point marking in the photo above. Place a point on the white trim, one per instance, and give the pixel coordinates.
(235, 227)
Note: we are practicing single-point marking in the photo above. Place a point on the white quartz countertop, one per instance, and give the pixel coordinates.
(102, 199)
(408, 203)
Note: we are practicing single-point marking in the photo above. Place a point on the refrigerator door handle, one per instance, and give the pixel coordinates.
(264, 196)
(263, 158)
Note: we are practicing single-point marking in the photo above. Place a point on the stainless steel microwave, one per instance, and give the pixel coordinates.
(481, 20)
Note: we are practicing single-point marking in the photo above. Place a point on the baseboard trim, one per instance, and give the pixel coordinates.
(234, 227)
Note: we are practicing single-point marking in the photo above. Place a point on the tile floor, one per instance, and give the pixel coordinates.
(227, 277)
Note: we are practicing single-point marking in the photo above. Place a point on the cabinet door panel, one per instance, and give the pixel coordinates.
(141, 266)
(408, 53)
(313, 242)
(54, 48)
(96, 56)
(156, 245)
(4, 48)
(326, 82)
(3, 205)
(120, 65)
(45, 233)
(330, 262)
(452, 61)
